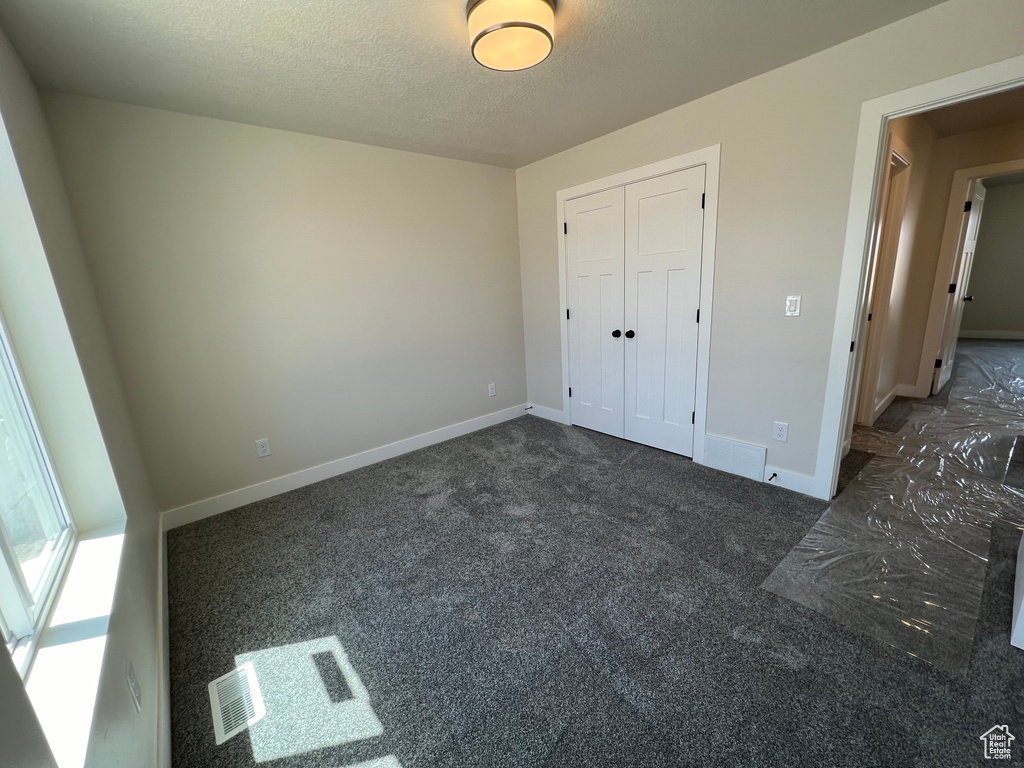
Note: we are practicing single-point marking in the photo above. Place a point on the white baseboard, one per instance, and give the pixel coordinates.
(794, 481)
(174, 518)
(886, 402)
(910, 390)
(997, 335)
(548, 413)
(163, 742)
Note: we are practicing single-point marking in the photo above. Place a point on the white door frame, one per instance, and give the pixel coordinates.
(873, 348)
(710, 157)
(868, 167)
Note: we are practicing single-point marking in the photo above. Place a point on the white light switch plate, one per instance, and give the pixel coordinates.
(793, 306)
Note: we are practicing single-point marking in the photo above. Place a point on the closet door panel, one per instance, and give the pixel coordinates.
(663, 234)
(596, 268)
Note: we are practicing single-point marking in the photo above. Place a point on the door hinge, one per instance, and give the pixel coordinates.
(693, 417)
(938, 362)
(851, 346)
(565, 227)
(967, 205)
(570, 391)
(702, 194)
(567, 314)
(869, 317)
(952, 287)
(698, 315)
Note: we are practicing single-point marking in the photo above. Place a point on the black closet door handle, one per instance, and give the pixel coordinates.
(616, 333)
(630, 334)
(968, 298)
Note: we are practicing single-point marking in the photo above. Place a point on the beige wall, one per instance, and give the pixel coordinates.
(22, 743)
(788, 140)
(949, 154)
(56, 329)
(997, 277)
(331, 296)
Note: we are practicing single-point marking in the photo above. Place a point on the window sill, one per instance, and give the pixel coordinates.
(64, 672)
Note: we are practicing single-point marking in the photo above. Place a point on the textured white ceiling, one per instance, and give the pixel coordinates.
(398, 73)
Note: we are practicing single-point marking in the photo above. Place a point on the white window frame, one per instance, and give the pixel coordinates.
(8, 634)
(22, 613)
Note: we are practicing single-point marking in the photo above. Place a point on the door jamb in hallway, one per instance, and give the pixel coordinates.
(710, 157)
(881, 267)
(861, 222)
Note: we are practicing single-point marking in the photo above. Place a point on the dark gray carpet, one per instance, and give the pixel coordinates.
(1015, 470)
(895, 416)
(850, 467)
(993, 632)
(539, 595)
(941, 398)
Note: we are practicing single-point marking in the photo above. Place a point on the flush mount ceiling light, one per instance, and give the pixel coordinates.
(509, 35)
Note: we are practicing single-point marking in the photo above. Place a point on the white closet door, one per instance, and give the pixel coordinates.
(594, 249)
(664, 231)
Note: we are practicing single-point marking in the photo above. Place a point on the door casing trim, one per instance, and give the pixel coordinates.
(870, 358)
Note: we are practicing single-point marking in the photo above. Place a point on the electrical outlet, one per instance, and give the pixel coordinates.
(491, 391)
(263, 447)
(134, 689)
(793, 306)
(781, 432)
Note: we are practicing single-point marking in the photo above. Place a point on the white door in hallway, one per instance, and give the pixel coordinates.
(959, 281)
(664, 233)
(594, 253)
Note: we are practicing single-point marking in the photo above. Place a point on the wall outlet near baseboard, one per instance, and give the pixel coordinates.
(491, 391)
(263, 447)
(781, 432)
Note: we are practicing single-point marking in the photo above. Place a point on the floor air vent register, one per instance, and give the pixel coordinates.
(236, 702)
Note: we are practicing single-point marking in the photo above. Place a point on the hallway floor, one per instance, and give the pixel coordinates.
(901, 553)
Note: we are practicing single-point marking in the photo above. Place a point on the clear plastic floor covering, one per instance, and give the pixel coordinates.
(901, 553)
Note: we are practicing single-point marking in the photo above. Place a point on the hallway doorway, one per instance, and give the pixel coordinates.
(930, 214)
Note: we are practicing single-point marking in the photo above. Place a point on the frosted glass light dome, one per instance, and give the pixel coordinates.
(509, 35)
